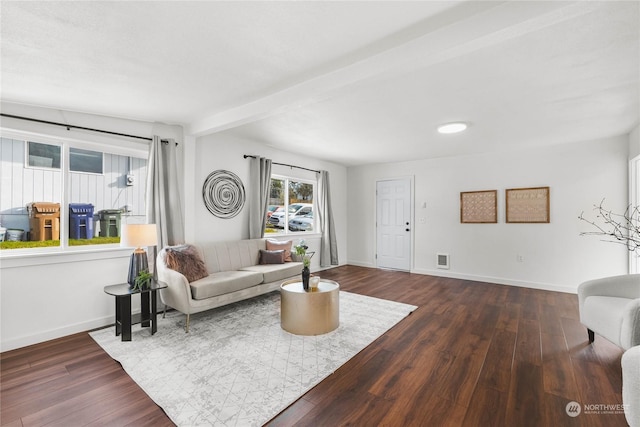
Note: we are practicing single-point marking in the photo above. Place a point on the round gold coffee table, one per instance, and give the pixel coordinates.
(312, 312)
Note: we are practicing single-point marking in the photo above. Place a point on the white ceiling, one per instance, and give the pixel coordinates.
(350, 82)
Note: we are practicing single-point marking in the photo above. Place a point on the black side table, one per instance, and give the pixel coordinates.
(149, 311)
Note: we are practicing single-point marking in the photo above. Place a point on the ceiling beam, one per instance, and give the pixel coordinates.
(460, 31)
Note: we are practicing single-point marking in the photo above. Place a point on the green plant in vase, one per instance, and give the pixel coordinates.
(306, 273)
(301, 250)
(143, 279)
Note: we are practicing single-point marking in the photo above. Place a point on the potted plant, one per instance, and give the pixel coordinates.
(142, 281)
(301, 254)
(300, 250)
(306, 273)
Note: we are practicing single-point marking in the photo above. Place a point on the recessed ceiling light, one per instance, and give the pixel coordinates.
(452, 127)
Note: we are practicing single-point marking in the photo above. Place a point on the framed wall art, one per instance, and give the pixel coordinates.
(479, 207)
(223, 194)
(527, 205)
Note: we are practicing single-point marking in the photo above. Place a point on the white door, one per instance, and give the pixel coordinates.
(393, 224)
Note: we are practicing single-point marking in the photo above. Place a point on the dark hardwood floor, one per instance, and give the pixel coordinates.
(472, 354)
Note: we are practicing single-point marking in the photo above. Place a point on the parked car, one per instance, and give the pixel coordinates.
(297, 209)
(272, 208)
(302, 222)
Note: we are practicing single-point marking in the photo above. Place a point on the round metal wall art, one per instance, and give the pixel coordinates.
(223, 194)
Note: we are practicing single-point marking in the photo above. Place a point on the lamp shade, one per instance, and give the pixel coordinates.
(138, 235)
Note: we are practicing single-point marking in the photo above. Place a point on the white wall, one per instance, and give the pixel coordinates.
(634, 142)
(555, 255)
(60, 297)
(634, 187)
(221, 151)
(48, 296)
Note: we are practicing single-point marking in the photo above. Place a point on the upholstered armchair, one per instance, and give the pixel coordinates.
(610, 307)
(631, 385)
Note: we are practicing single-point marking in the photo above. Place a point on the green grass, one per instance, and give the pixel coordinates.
(94, 241)
(54, 243)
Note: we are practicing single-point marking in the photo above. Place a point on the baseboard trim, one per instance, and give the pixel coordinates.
(498, 280)
(361, 264)
(51, 334)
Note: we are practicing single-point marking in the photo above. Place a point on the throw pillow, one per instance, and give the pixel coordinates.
(186, 260)
(275, 245)
(271, 257)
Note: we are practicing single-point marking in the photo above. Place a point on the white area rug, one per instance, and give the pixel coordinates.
(236, 366)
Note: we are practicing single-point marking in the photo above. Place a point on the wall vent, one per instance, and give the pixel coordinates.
(443, 261)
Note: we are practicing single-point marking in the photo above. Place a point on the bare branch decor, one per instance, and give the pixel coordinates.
(479, 207)
(528, 205)
(621, 228)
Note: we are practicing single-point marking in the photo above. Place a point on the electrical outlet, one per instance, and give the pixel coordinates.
(423, 220)
(520, 258)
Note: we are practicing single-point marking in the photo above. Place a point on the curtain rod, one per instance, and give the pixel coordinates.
(69, 127)
(285, 164)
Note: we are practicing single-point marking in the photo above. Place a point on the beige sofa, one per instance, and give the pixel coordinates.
(234, 274)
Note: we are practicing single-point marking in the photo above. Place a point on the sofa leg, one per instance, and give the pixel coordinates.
(592, 335)
(164, 312)
(187, 325)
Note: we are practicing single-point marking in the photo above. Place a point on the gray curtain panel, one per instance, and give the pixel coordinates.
(259, 186)
(164, 207)
(328, 243)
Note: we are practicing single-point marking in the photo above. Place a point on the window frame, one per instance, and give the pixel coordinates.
(634, 200)
(33, 256)
(27, 155)
(102, 153)
(285, 230)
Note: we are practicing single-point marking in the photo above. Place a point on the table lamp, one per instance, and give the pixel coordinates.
(138, 236)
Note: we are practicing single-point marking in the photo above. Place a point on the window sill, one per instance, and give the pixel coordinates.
(23, 258)
(293, 234)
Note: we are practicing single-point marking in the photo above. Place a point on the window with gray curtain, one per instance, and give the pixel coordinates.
(164, 206)
(259, 184)
(328, 242)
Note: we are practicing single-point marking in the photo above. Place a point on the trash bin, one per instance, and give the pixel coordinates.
(44, 221)
(80, 221)
(15, 235)
(109, 222)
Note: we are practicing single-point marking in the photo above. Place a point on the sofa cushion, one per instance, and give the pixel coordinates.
(186, 260)
(271, 257)
(232, 255)
(224, 282)
(274, 245)
(275, 272)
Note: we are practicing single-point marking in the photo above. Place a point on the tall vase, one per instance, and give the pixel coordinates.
(305, 278)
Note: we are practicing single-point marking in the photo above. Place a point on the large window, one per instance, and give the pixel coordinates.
(291, 206)
(59, 194)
